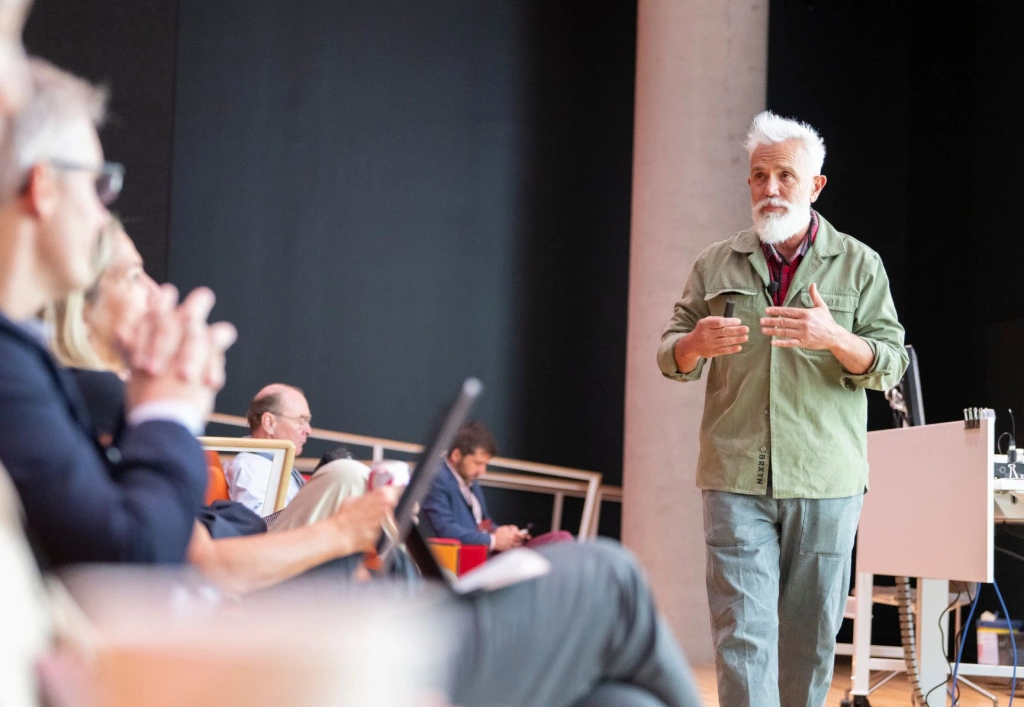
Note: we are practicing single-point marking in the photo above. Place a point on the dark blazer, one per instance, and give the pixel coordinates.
(135, 502)
(103, 395)
(448, 513)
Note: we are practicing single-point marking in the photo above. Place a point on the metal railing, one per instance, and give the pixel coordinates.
(558, 481)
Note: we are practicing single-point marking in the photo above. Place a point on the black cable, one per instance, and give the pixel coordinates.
(945, 649)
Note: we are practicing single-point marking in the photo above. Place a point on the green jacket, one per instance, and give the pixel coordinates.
(791, 410)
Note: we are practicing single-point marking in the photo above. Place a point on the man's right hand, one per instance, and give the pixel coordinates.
(713, 336)
(507, 537)
(174, 354)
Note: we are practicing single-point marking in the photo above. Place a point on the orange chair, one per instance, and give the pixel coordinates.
(456, 557)
(216, 483)
(446, 552)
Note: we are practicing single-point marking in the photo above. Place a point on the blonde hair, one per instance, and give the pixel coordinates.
(69, 332)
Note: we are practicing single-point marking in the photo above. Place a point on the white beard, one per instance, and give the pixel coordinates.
(774, 228)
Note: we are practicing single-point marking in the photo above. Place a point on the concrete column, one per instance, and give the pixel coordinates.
(700, 79)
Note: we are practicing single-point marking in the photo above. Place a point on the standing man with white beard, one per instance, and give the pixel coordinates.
(783, 454)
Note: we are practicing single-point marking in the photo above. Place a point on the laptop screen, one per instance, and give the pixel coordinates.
(429, 463)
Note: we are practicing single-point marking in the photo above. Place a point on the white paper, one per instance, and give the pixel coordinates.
(503, 570)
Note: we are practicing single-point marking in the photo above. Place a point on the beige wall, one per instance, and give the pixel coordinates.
(701, 69)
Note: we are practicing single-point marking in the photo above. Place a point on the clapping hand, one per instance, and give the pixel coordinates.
(174, 354)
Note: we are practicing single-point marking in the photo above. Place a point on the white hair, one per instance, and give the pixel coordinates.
(39, 131)
(770, 129)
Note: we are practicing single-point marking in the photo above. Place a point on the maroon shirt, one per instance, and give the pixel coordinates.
(781, 271)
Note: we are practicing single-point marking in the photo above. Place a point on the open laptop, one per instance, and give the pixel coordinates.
(423, 475)
(508, 568)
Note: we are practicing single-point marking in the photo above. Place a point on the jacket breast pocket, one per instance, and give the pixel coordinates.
(746, 309)
(842, 305)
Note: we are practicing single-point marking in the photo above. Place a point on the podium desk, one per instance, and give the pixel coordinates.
(929, 513)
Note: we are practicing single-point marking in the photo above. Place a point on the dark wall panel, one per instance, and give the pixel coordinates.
(129, 47)
(840, 66)
(388, 197)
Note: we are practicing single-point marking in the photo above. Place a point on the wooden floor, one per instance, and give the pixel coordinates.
(895, 693)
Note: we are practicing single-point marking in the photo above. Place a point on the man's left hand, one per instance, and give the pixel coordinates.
(812, 328)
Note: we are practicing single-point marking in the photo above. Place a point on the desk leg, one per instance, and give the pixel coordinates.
(932, 599)
(861, 678)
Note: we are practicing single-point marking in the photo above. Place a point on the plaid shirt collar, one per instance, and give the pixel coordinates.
(773, 256)
(782, 272)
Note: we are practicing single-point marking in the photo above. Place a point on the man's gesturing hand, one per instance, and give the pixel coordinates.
(812, 328)
(713, 336)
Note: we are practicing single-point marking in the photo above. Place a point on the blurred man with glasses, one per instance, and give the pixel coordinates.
(136, 502)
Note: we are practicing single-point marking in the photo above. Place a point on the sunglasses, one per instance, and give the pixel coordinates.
(109, 177)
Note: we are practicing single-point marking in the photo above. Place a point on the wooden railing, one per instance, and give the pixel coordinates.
(516, 474)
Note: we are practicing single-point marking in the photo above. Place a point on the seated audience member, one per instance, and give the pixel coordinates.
(278, 411)
(84, 328)
(589, 629)
(455, 507)
(22, 613)
(84, 338)
(136, 502)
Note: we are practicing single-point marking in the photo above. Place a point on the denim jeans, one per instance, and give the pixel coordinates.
(778, 573)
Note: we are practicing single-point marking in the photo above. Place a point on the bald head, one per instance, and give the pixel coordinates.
(280, 411)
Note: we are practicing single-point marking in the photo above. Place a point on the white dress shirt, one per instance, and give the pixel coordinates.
(248, 477)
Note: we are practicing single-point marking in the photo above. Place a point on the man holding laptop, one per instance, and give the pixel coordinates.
(456, 508)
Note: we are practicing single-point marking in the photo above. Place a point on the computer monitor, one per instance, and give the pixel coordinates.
(905, 397)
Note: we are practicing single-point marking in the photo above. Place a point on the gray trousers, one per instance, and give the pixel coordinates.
(587, 634)
(778, 573)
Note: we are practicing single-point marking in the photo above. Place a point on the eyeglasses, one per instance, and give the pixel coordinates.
(302, 420)
(109, 177)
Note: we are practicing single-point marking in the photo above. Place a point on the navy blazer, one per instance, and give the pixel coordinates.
(448, 513)
(133, 503)
(103, 396)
